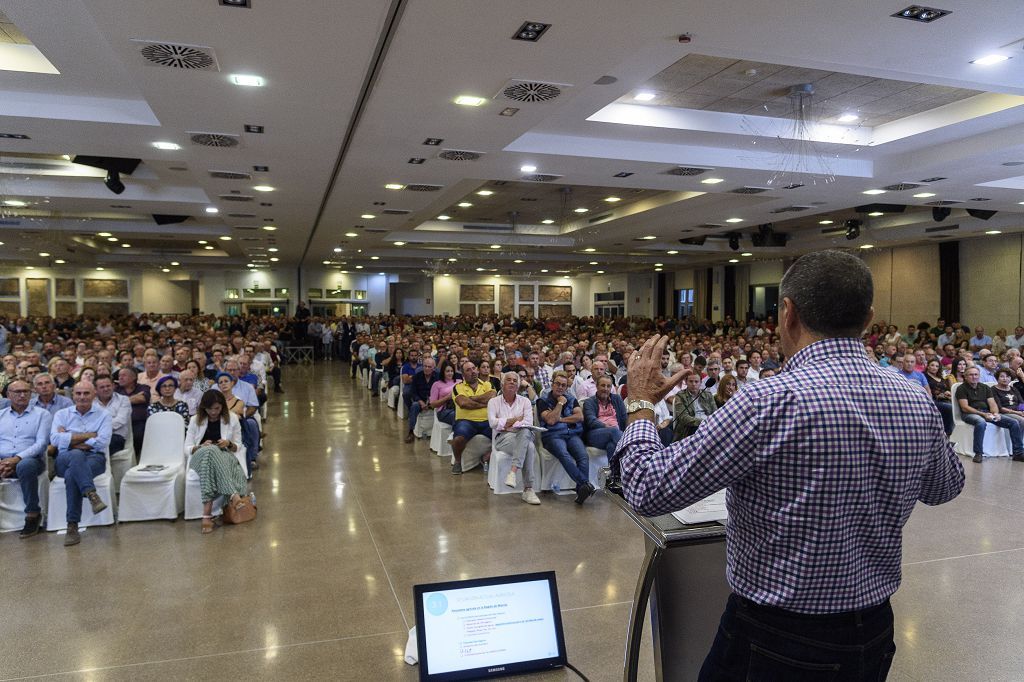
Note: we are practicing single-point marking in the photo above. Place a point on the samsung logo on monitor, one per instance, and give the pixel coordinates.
(496, 670)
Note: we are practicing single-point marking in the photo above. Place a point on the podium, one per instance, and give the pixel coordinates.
(683, 577)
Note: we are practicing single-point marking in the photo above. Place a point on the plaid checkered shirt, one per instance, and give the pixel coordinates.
(823, 465)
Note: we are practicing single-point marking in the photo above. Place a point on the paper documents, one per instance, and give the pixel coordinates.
(711, 508)
(524, 425)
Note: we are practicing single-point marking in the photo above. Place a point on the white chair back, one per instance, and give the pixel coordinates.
(164, 441)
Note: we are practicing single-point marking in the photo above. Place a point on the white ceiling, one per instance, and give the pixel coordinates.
(352, 91)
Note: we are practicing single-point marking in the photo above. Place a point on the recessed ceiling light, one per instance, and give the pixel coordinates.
(433, 141)
(111, 239)
(274, 259)
(594, 262)
(270, 228)
(672, 252)
(734, 260)
(99, 269)
(734, 220)
(711, 181)
(174, 262)
(250, 265)
(326, 262)
(263, 188)
(208, 247)
(15, 203)
(337, 249)
(165, 269)
(44, 254)
(990, 59)
(507, 111)
(225, 238)
(394, 185)
(518, 260)
(746, 253)
(167, 146)
(399, 243)
(470, 100)
(497, 277)
(203, 241)
(530, 31)
(452, 260)
(612, 200)
(381, 273)
(212, 209)
(648, 237)
(359, 267)
(924, 195)
(60, 261)
(590, 249)
(464, 204)
(32, 267)
(374, 257)
(351, 234)
(253, 128)
(644, 96)
(986, 232)
(580, 210)
(447, 275)
(485, 192)
(102, 234)
(547, 221)
(250, 81)
(527, 169)
(875, 214)
(658, 269)
(479, 269)
(867, 246)
(125, 245)
(825, 222)
(444, 217)
(600, 272)
(367, 216)
(544, 270)
(495, 246)
(873, 191)
(849, 118)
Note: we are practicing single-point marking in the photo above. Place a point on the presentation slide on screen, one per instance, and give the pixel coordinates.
(486, 626)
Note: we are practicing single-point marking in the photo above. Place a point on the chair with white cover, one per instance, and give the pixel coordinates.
(553, 476)
(123, 460)
(194, 494)
(501, 465)
(394, 394)
(382, 385)
(441, 439)
(57, 514)
(12, 502)
(997, 440)
(147, 495)
(424, 424)
(474, 452)
(598, 460)
(401, 407)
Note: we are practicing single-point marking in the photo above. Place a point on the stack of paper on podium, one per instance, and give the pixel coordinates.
(711, 508)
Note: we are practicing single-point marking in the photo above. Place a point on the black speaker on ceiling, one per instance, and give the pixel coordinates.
(734, 241)
(940, 213)
(979, 214)
(852, 228)
(108, 163)
(881, 208)
(168, 219)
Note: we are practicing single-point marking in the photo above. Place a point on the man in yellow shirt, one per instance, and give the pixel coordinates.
(471, 398)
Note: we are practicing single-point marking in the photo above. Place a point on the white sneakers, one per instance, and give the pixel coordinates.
(510, 480)
(530, 497)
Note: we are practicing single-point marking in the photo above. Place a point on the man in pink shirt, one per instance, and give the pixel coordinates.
(508, 413)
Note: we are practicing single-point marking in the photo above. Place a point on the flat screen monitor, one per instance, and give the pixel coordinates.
(489, 627)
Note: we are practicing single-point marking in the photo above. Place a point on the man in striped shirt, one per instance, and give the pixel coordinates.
(823, 465)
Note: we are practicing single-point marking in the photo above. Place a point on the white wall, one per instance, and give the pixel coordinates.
(165, 293)
(991, 280)
(640, 294)
(414, 297)
(765, 272)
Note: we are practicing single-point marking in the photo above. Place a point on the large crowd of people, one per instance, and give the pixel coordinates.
(75, 390)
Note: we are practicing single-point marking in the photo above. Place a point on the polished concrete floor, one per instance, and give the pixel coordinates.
(350, 518)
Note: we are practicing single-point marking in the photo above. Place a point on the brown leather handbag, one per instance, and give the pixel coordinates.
(243, 512)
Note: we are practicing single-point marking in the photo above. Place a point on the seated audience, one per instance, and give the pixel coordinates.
(561, 415)
(1008, 396)
(227, 385)
(81, 434)
(139, 398)
(726, 388)
(46, 395)
(508, 413)
(166, 402)
(604, 418)
(419, 393)
(978, 408)
(213, 435)
(188, 392)
(471, 398)
(118, 407)
(692, 406)
(989, 365)
(441, 395)
(24, 435)
(904, 365)
(940, 392)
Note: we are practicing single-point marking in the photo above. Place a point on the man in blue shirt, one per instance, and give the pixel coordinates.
(24, 433)
(904, 366)
(46, 396)
(409, 370)
(561, 415)
(81, 435)
(979, 341)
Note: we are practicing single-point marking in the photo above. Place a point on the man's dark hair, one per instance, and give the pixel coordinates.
(832, 292)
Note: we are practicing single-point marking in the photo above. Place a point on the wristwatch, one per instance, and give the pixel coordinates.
(637, 405)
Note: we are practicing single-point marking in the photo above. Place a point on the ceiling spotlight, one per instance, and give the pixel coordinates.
(250, 265)
(100, 269)
(351, 234)
(203, 241)
(746, 253)
(212, 209)
(452, 260)
(337, 249)
(174, 262)
(612, 200)
(734, 260)
(549, 221)
(263, 188)
(527, 169)
(399, 243)
(852, 228)
(590, 249)
(544, 270)
(986, 232)
(102, 234)
(447, 275)
(270, 228)
(672, 252)
(600, 272)
(658, 269)
(60, 261)
(374, 257)
(580, 210)
(44, 254)
(359, 267)
(518, 260)
(825, 222)
(126, 245)
(495, 246)
(659, 265)
(867, 246)
(990, 59)
(470, 100)
(394, 185)
(165, 269)
(479, 269)
(32, 267)
(367, 216)
(249, 81)
(444, 217)
(644, 96)
(875, 214)
(208, 247)
(464, 204)
(873, 191)
(326, 262)
(849, 118)
(111, 239)
(734, 220)
(711, 181)
(734, 241)
(485, 192)
(531, 31)
(923, 14)
(167, 146)
(594, 262)
(648, 237)
(225, 238)
(113, 182)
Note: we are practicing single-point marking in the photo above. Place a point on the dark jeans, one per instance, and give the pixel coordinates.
(946, 410)
(446, 415)
(116, 443)
(981, 425)
(569, 450)
(762, 643)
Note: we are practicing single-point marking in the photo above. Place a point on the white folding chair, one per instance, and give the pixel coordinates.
(194, 494)
(424, 424)
(394, 396)
(598, 460)
(57, 514)
(147, 495)
(501, 465)
(401, 405)
(12, 502)
(997, 440)
(473, 454)
(553, 476)
(441, 439)
(123, 460)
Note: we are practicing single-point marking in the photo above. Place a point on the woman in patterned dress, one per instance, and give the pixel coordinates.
(165, 388)
(213, 436)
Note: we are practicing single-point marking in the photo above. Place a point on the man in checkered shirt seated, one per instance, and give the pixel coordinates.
(823, 465)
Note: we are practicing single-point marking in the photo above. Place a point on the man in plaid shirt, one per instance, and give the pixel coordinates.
(823, 465)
